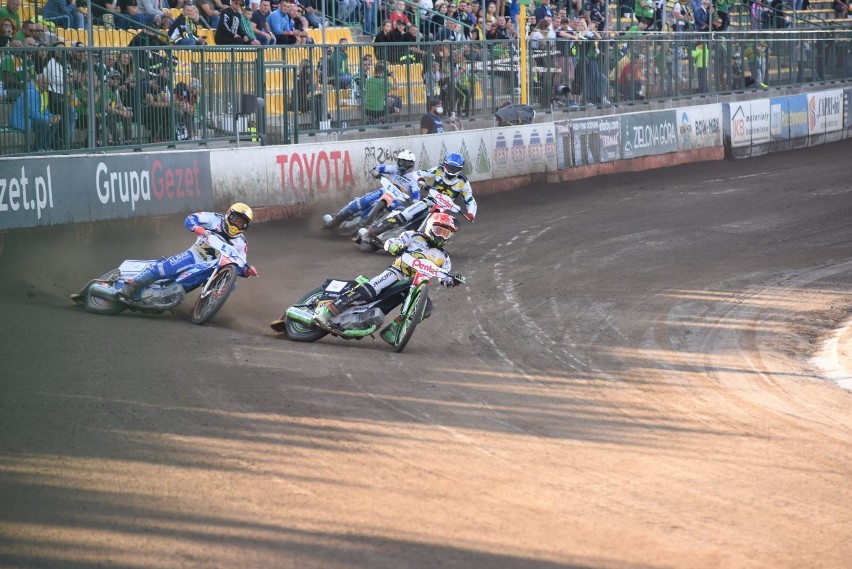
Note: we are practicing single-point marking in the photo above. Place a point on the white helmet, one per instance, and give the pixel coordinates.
(405, 161)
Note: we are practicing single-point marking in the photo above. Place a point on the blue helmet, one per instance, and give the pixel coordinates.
(453, 165)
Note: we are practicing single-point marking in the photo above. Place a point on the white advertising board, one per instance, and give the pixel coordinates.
(699, 127)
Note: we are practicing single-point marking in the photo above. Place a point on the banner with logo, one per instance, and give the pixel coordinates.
(77, 189)
(699, 127)
(747, 127)
(847, 112)
(646, 134)
(825, 116)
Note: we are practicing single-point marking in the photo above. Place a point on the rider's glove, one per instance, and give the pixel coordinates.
(421, 183)
(375, 173)
(200, 231)
(469, 216)
(454, 280)
(251, 271)
(393, 248)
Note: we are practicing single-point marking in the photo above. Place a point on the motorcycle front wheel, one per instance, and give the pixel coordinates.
(211, 300)
(411, 318)
(299, 331)
(102, 305)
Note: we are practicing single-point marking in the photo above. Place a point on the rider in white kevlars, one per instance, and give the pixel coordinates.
(229, 226)
(402, 173)
(429, 245)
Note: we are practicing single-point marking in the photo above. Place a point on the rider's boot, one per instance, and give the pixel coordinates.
(362, 293)
(330, 222)
(147, 276)
(389, 333)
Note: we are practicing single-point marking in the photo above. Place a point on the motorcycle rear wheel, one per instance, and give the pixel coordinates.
(100, 304)
(209, 302)
(299, 331)
(411, 318)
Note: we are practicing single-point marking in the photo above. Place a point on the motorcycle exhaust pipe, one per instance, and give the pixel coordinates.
(300, 315)
(102, 291)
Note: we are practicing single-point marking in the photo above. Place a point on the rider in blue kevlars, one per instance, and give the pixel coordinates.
(427, 244)
(402, 174)
(229, 227)
(447, 179)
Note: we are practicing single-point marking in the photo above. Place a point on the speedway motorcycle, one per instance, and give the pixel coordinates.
(393, 197)
(374, 236)
(357, 322)
(216, 277)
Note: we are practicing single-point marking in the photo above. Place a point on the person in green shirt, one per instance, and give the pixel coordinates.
(378, 101)
(644, 10)
(11, 11)
(722, 7)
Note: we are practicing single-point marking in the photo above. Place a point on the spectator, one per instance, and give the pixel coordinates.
(31, 113)
(415, 54)
(644, 10)
(14, 71)
(431, 123)
(779, 16)
(338, 66)
(7, 31)
(347, 10)
(364, 72)
(399, 13)
(129, 16)
(117, 113)
(491, 13)
(702, 17)
(184, 29)
(544, 10)
(150, 12)
(63, 13)
(371, 15)
(310, 13)
(841, 9)
(379, 104)
(398, 36)
(680, 18)
(307, 98)
(11, 11)
(384, 53)
(100, 8)
(700, 55)
(282, 26)
(207, 10)
(596, 12)
(157, 109)
(300, 24)
(721, 8)
(231, 30)
(128, 89)
(185, 103)
(60, 91)
(264, 32)
(432, 80)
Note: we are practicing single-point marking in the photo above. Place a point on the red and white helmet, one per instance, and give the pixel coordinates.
(439, 228)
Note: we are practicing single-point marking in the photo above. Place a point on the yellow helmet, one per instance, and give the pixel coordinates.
(237, 219)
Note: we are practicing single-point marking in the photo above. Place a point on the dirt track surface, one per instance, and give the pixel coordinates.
(632, 378)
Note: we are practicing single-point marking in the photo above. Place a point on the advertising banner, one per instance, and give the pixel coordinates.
(747, 127)
(525, 149)
(699, 127)
(596, 140)
(847, 112)
(562, 130)
(646, 134)
(779, 125)
(825, 116)
(77, 189)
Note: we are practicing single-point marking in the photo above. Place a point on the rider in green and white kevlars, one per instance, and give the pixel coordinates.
(426, 245)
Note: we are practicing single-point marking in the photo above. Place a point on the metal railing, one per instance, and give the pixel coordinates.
(144, 97)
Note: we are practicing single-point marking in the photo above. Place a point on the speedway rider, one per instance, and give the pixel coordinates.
(229, 227)
(428, 244)
(447, 179)
(402, 174)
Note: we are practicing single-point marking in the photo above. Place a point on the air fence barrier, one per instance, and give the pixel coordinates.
(45, 191)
